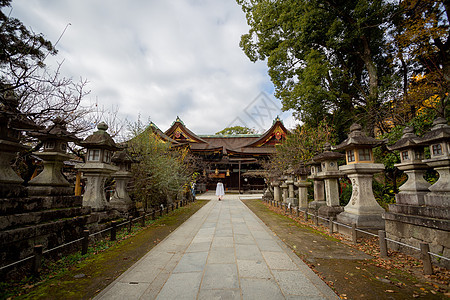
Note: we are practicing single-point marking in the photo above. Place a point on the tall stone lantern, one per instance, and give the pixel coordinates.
(121, 199)
(330, 174)
(51, 180)
(98, 167)
(319, 186)
(12, 123)
(416, 187)
(439, 141)
(362, 209)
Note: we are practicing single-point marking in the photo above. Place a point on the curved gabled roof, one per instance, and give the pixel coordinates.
(178, 128)
(277, 132)
(161, 134)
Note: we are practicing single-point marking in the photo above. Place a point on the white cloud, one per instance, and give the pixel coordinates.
(159, 59)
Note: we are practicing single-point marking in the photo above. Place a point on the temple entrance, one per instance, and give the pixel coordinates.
(236, 160)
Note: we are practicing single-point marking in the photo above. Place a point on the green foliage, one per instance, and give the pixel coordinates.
(236, 130)
(346, 191)
(299, 147)
(162, 173)
(324, 58)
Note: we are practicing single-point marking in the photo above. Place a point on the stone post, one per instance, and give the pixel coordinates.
(98, 166)
(362, 209)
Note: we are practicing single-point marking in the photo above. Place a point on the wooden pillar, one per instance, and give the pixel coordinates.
(239, 177)
(78, 184)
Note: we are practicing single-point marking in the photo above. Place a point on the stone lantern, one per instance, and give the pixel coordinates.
(51, 180)
(121, 199)
(12, 122)
(411, 156)
(302, 185)
(276, 190)
(439, 141)
(98, 167)
(362, 209)
(319, 194)
(290, 183)
(330, 174)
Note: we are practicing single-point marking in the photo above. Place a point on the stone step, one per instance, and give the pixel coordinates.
(9, 206)
(37, 217)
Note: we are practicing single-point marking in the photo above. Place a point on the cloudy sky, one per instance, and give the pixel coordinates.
(160, 59)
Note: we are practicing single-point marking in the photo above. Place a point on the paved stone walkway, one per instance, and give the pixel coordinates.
(222, 252)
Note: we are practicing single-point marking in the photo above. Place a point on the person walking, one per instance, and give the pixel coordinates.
(220, 192)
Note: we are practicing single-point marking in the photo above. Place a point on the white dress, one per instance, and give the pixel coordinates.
(219, 190)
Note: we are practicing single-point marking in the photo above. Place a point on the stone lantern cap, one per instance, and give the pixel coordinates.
(58, 131)
(301, 169)
(439, 132)
(327, 155)
(123, 157)
(100, 139)
(407, 141)
(357, 138)
(12, 118)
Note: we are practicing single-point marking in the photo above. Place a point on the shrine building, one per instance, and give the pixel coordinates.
(236, 160)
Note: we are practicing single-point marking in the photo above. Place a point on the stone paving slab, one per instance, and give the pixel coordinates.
(222, 252)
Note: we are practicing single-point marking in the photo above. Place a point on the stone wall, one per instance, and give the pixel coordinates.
(413, 225)
(48, 221)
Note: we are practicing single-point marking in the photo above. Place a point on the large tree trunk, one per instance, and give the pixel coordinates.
(372, 98)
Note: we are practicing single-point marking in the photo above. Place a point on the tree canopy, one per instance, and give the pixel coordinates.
(236, 130)
(347, 61)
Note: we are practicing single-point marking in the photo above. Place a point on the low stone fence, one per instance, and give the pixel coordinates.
(423, 252)
(33, 262)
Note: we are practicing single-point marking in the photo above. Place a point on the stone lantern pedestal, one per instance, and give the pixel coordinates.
(362, 209)
(97, 167)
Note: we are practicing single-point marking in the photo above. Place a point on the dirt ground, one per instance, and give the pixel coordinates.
(87, 278)
(351, 273)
